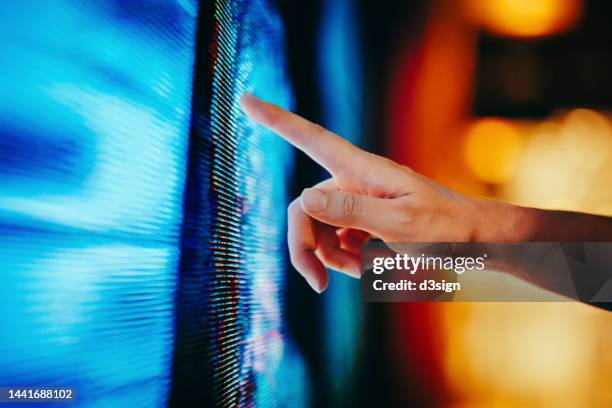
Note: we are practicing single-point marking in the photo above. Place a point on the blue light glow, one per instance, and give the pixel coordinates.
(142, 228)
(94, 116)
(340, 78)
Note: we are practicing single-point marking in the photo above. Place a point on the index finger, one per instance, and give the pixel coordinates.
(335, 154)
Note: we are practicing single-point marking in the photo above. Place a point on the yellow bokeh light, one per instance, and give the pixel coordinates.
(536, 354)
(586, 138)
(492, 149)
(544, 177)
(527, 354)
(525, 18)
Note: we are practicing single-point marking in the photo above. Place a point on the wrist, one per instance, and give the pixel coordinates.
(496, 221)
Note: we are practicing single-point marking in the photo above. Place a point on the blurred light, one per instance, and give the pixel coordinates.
(603, 209)
(94, 124)
(545, 354)
(492, 149)
(566, 164)
(525, 18)
(339, 71)
(586, 138)
(111, 282)
(544, 178)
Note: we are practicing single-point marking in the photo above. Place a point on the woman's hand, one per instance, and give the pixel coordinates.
(367, 195)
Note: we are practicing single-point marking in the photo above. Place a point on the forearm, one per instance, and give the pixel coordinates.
(502, 222)
(506, 223)
(547, 225)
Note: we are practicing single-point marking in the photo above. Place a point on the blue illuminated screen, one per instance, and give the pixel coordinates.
(141, 215)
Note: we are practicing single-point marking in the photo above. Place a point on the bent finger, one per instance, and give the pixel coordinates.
(302, 240)
(352, 239)
(332, 255)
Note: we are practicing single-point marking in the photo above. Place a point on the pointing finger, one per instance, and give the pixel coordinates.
(335, 154)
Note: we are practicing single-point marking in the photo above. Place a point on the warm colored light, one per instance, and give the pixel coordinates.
(525, 18)
(544, 178)
(566, 164)
(527, 354)
(586, 138)
(492, 149)
(537, 354)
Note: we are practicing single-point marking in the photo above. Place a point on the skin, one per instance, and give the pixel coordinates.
(371, 196)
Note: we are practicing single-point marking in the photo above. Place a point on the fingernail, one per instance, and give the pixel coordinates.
(312, 283)
(314, 200)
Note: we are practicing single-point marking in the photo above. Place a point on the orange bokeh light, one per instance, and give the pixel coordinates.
(525, 18)
(492, 149)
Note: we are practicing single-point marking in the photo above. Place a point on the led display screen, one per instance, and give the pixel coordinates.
(94, 115)
(142, 217)
(231, 339)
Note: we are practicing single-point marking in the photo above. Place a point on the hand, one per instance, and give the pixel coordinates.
(367, 195)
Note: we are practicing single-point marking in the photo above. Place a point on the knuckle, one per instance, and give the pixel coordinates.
(381, 162)
(405, 168)
(351, 206)
(405, 212)
(318, 129)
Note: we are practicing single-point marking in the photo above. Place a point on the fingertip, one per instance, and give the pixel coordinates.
(313, 271)
(317, 283)
(354, 272)
(313, 200)
(321, 282)
(314, 284)
(323, 288)
(246, 98)
(249, 104)
(317, 278)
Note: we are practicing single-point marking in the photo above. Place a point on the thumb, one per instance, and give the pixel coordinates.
(344, 209)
